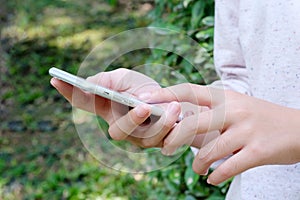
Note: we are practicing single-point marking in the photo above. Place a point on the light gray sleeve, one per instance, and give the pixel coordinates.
(228, 56)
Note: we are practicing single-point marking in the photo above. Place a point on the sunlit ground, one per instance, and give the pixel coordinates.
(41, 155)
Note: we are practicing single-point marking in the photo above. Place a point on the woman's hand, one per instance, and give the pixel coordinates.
(124, 124)
(254, 132)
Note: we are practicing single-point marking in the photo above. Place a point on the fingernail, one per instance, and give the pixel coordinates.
(52, 82)
(173, 108)
(145, 96)
(142, 111)
(205, 173)
(208, 181)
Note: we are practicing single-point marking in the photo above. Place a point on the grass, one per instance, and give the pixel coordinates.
(50, 166)
(41, 155)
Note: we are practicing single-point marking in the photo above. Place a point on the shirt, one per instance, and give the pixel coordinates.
(257, 52)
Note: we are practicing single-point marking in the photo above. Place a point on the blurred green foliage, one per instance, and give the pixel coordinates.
(41, 157)
(192, 18)
(195, 19)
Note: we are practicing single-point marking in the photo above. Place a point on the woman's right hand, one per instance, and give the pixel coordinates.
(123, 124)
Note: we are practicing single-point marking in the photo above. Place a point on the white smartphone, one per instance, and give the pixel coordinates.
(101, 91)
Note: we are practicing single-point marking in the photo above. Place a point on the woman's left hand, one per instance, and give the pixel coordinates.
(254, 132)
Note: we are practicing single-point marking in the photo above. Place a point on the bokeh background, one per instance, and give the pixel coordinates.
(41, 155)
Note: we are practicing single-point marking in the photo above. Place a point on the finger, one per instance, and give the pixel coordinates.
(103, 78)
(153, 136)
(201, 140)
(196, 94)
(185, 131)
(124, 126)
(63, 88)
(219, 148)
(120, 80)
(234, 165)
(79, 98)
(75, 96)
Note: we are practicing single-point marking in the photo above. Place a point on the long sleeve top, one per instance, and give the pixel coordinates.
(257, 52)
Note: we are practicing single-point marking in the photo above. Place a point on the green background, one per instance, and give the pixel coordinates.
(41, 156)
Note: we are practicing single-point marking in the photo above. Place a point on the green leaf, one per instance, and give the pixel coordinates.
(216, 196)
(112, 2)
(164, 25)
(197, 13)
(190, 178)
(174, 176)
(173, 188)
(203, 35)
(189, 197)
(186, 3)
(171, 60)
(208, 21)
(189, 158)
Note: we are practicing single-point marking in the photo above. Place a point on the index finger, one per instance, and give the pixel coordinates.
(82, 100)
(186, 92)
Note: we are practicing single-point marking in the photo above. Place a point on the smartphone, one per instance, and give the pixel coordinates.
(101, 91)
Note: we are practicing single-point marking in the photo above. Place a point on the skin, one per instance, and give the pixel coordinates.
(131, 125)
(253, 132)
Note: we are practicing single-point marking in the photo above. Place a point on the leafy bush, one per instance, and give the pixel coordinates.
(195, 19)
(191, 18)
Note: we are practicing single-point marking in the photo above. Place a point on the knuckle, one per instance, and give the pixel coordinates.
(238, 111)
(226, 171)
(233, 95)
(241, 113)
(260, 153)
(205, 157)
(247, 128)
(255, 149)
(222, 144)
